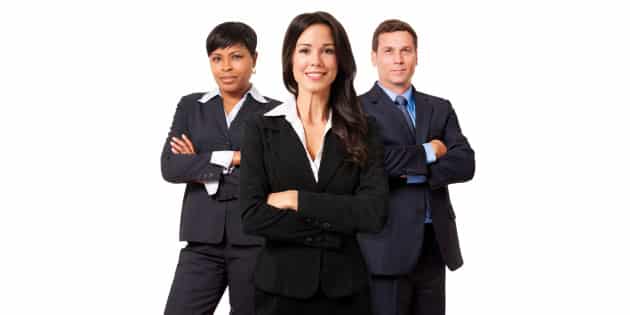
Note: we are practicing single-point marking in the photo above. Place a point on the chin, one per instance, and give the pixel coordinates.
(231, 88)
(398, 82)
(316, 88)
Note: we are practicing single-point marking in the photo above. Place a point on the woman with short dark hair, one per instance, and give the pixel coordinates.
(203, 151)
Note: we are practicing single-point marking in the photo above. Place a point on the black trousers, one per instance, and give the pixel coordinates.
(420, 292)
(319, 304)
(204, 271)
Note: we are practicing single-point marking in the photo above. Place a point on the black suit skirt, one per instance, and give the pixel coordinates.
(319, 304)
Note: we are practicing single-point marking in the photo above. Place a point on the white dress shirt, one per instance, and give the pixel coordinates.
(288, 109)
(224, 158)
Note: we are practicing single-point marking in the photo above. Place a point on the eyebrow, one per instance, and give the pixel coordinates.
(392, 47)
(310, 45)
(230, 53)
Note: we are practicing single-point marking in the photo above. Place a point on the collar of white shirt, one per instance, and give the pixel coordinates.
(288, 109)
(232, 115)
(252, 91)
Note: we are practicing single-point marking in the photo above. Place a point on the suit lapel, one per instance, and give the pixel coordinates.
(249, 105)
(218, 114)
(424, 111)
(288, 151)
(332, 156)
(387, 107)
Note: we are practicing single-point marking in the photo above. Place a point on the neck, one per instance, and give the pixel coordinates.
(231, 98)
(313, 107)
(396, 88)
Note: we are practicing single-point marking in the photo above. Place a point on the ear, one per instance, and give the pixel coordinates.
(374, 58)
(254, 58)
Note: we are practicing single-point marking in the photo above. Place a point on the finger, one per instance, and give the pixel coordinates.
(179, 141)
(181, 146)
(178, 148)
(189, 143)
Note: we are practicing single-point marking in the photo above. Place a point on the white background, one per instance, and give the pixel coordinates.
(88, 91)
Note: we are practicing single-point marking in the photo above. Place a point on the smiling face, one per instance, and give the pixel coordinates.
(314, 60)
(232, 68)
(395, 59)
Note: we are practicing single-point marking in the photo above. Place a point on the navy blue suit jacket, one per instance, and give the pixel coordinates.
(205, 218)
(396, 249)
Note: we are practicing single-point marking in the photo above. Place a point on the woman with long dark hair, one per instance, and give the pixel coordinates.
(312, 177)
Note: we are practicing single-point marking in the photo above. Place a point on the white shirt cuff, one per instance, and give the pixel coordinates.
(222, 158)
(212, 187)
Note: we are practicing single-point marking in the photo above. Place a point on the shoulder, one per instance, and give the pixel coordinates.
(438, 103)
(272, 102)
(366, 99)
(364, 96)
(192, 97)
(189, 100)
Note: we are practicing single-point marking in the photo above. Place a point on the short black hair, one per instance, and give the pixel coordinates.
(231, 33)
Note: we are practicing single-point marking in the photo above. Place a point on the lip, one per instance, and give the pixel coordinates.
(315, 75)
(228, 79)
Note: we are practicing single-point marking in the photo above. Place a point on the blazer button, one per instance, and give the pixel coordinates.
(326, 225)
(309, 239)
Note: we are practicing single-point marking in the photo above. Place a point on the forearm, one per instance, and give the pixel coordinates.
(347, 214)
(276, 224)
(457, 166)
(405, 160)
(183, 168)
(260, 218)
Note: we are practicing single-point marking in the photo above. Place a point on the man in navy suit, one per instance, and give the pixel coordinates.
(425, 151)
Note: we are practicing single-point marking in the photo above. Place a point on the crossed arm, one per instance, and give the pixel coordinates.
(455, 159)
(296, 216)
(180, 160)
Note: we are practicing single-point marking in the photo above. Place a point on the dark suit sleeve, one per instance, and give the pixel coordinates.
(365, 210)
(408, 160)
(458, 164)
(183, 168)
(262, 219)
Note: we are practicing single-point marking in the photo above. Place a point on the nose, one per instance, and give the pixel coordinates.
(226, 64)
(398, 57)
(316, 59)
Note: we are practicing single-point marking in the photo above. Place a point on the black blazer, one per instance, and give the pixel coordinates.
(315, 246)
(392, 251)
(205, 218)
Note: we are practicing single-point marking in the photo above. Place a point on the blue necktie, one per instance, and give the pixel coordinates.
(401, 104)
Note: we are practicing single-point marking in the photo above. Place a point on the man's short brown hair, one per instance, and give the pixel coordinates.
(393, 25)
